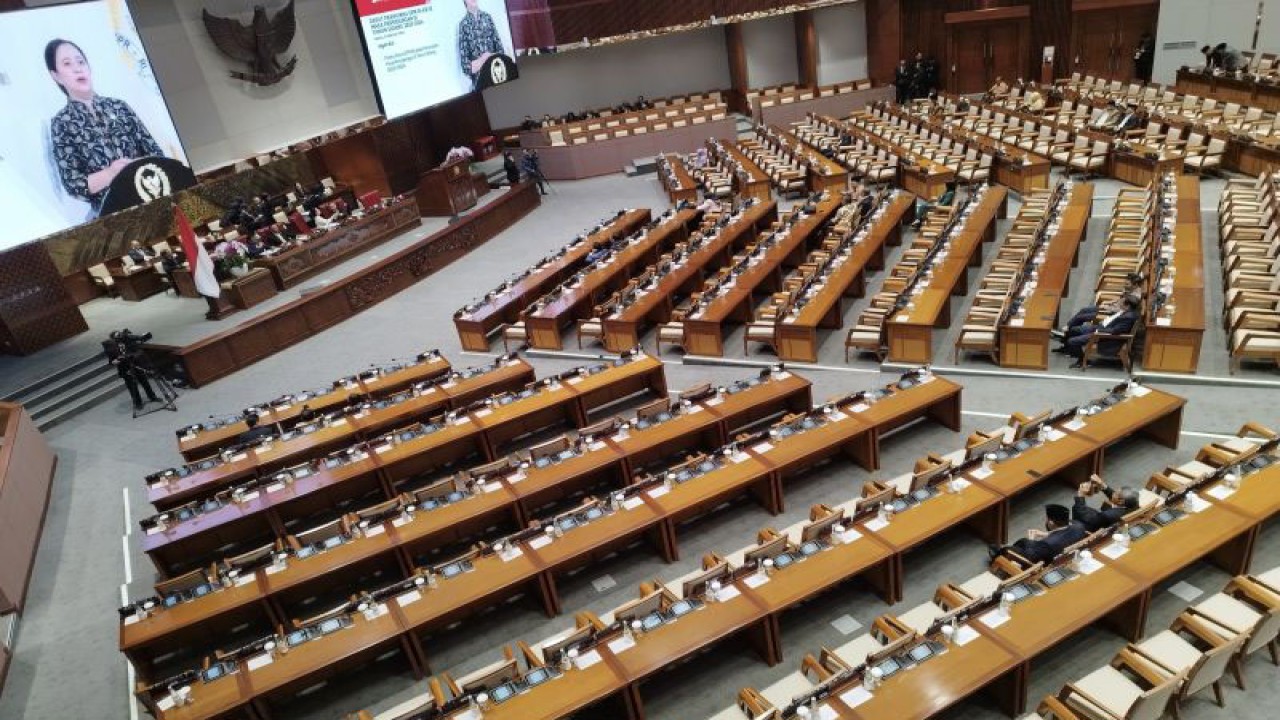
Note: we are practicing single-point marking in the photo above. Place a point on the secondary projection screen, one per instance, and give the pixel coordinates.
(80, 105)
(425, 52)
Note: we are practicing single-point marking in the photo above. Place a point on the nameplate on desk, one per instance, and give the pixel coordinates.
(491, 487)
(695, 410)
(658, 491)
(877, 524)
(715, 401)
(245, 580)
(994, 619)
(259, 660)
(402, 521)
(374, 530)
(633, 502)
(539, 542)
(575, 380)
(622, 644)
(510, 554)
(273, 569)
(238, 458)
(165, 704)
(339, 423)
(756, 580)
(763, 447)
(855, 697)
(597, 445)
(1015, 322)
(249, 496)
(585, 661)
(282, 407)
(849, 536)
(408, 598)
(859, 407)
(1115, 550)
(448, 385)
(383, 448)
(965, 635)
(516, 477)
(1220, 492)
(484, 413)
(739, 457)
(131, 619)
(1164, 321)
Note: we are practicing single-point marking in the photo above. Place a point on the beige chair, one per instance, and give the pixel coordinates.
(102, 278)
(1244, 607)
(981, 337)
(592, 329)
(671, 333)
(759, 332)
(515, 332)
(1129, 688)
(1191, 651)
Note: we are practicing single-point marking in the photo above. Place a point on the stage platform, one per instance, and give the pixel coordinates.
(180, 322)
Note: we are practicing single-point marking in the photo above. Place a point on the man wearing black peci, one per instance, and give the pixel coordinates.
(1060, 532)
(255, 432)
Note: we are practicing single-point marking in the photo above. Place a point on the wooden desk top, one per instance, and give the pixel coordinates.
(1187, 291)
(564, 695)
(933, 517)
(657, 649)
(621, 264)
(738, 232)
(679, 180)
(1054, 273)
(849, 267)
(543, 277)
(447, 394)
(817, 573)
(818, 163)
(754, 173)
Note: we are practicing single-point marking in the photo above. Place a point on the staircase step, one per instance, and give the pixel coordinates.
(72, 395)
(84, 402)
(18, 396)
(38, 396)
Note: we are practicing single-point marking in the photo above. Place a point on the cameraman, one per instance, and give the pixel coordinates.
(124, 351)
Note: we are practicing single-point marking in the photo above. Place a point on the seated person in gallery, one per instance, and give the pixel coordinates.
(1059, 533)
(255, 432)
(1090, 313)
(1118, 323)
(1032, 100)
(1108, 118)
(598, 252)
(946, 199)
(1116, 503)
(998, 89)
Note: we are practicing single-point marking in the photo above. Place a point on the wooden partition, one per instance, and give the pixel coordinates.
(26, 474)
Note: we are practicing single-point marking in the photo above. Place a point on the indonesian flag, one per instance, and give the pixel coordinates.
(197, 259)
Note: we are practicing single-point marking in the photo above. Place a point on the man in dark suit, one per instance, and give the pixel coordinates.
(255, 432)
(510, 166)
(1121, 322)
(1090, 313)
(1060, 532)
(140, 255)
(1118, 502)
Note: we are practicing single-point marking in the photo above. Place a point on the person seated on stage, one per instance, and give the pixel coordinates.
(1059, 533)
(1090, 313)
(140, 255)
(255, 432)
(547, 120)
(1032, 100)
(1117, 502)
(307, 414)
(642, 104)
(946, 199)
(529, 123)
(1118, 323)
(254, 246)
(169, 262)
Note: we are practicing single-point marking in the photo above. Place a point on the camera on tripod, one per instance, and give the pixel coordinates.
(124, 350)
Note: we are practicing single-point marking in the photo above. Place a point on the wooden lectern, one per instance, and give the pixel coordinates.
(446, 190)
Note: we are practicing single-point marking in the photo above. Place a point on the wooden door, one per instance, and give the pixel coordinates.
(969, 54)
(1131, 22)
(1094, 43)
(1007, 44)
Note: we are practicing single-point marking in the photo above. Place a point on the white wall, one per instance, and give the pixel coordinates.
(222, 119)
(607, 75)
(1209, 22)
(842, 43)
(771, 51)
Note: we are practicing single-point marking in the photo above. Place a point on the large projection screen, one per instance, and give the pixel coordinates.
(57, 149)
(426, 52)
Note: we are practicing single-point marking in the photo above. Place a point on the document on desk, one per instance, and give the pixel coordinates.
(260, 660)
(166, 703)
(622, 644)
(1196, 502)
(1089, 566)
(1053, 434)
(982, 473)
(739, 457)
(375, 530)
(837, 416)
(728, 593)
(763, 447)
(131, 619)
(994, 619)
(1140, 391)
(877, 524)
(1074, 424)
(597, 445)
(585, 661)
(855, 697)
(756, 580)
(1220, 492)
(859, 407)
(484, 413)
(633, 502)
(539, 542)
(965, 635)
(1115, 550)
(408, 598)
(510, 554)
(658, 491)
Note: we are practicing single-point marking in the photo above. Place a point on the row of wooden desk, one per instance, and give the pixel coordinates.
(1117, 591)
(505, 304)
(655, 302)
(749, 179)
(515, 493)
(578, 297)
(873, 550)
(917, 174)
(761, 462)
(1226, 88)
(206, 477)
(676, 180)
(203, 439)
(1024, 341)
(797, 335)
(270, 506)
(910, 330)
(824, 173)
(1173, 339)
(734, 296)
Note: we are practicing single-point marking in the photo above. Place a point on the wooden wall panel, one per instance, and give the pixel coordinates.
(36, 310)
(356, 161)
(1051, 25)
(806, 48)
(884, 39)
(574, 20)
